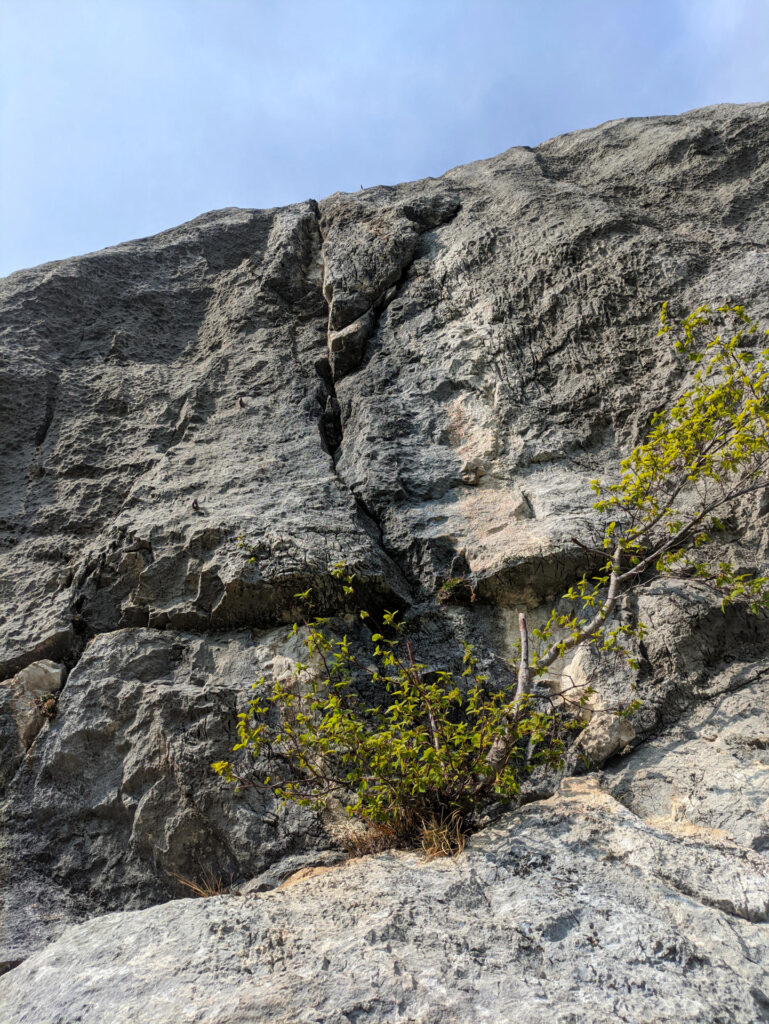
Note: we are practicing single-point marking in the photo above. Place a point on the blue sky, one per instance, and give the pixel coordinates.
(119, 118)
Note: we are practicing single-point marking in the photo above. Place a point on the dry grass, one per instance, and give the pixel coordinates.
(208, 885)
(437, 836)
(442, 836)
(358, 839)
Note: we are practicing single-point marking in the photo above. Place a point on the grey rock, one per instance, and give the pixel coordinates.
(707, 775)
(124, 372)
(346, 347)
(290, 867)
(519, 359)
(370, 241)
(572, 910)
(26, 701)
(116, 803)
(604, 736)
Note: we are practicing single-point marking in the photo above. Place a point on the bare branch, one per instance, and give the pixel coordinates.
(524, 669)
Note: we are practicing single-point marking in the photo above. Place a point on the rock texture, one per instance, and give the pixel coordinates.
(118, 806)
(574, 910)
(708, 775)
(420, 381)
(27, 701)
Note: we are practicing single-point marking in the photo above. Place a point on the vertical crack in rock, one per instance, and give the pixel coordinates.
(50, 406)
(369, 245)
(330, 423)
(368, 248)
(371, 518)
(329, 369)
(346, 346)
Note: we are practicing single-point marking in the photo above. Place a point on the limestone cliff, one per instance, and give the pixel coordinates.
(420, 381)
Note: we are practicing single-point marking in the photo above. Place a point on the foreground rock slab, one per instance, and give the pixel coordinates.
(573, 910)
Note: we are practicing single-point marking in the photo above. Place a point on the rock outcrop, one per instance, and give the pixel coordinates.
(574, 910)
(419, 381)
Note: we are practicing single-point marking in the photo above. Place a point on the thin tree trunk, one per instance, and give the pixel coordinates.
(597, 620)
(524, 669)
(502, 746)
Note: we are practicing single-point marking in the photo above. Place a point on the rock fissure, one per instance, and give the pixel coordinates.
(357, 287)
(50, 406)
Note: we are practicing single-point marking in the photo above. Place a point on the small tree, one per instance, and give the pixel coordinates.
(435, 751)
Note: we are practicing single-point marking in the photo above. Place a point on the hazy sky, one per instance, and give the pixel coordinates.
(119, 118)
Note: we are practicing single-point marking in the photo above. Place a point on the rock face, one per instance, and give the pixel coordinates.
(419, 381)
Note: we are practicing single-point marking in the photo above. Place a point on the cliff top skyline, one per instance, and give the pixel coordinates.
(124, 119)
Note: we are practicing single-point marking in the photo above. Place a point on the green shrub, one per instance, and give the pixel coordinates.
(417, 759)
(424, 762)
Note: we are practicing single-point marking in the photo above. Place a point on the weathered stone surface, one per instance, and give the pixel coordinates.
(604, 736)
(515, 359)
(693, 652)
(707, 775)
(518, 359)
(420, 381)
(572, 910)
(116, 801)
(26, 701)
(175, 370)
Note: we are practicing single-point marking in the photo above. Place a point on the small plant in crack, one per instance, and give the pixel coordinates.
(423, 762)
(47, 705)
(456, 590)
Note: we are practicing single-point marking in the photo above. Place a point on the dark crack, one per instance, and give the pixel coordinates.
(330, 422)
(50, 406)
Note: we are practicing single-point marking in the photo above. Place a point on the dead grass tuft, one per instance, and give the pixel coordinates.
(443, 836)
(208, 885)
(358, 839)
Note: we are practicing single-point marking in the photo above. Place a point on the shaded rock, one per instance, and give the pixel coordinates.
(115, 803)
(124, 371)
(693, 652)
(26, 702)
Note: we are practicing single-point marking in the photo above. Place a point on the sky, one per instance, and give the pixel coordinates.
(120, 118)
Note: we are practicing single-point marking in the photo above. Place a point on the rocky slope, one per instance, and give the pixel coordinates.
(420, 381)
